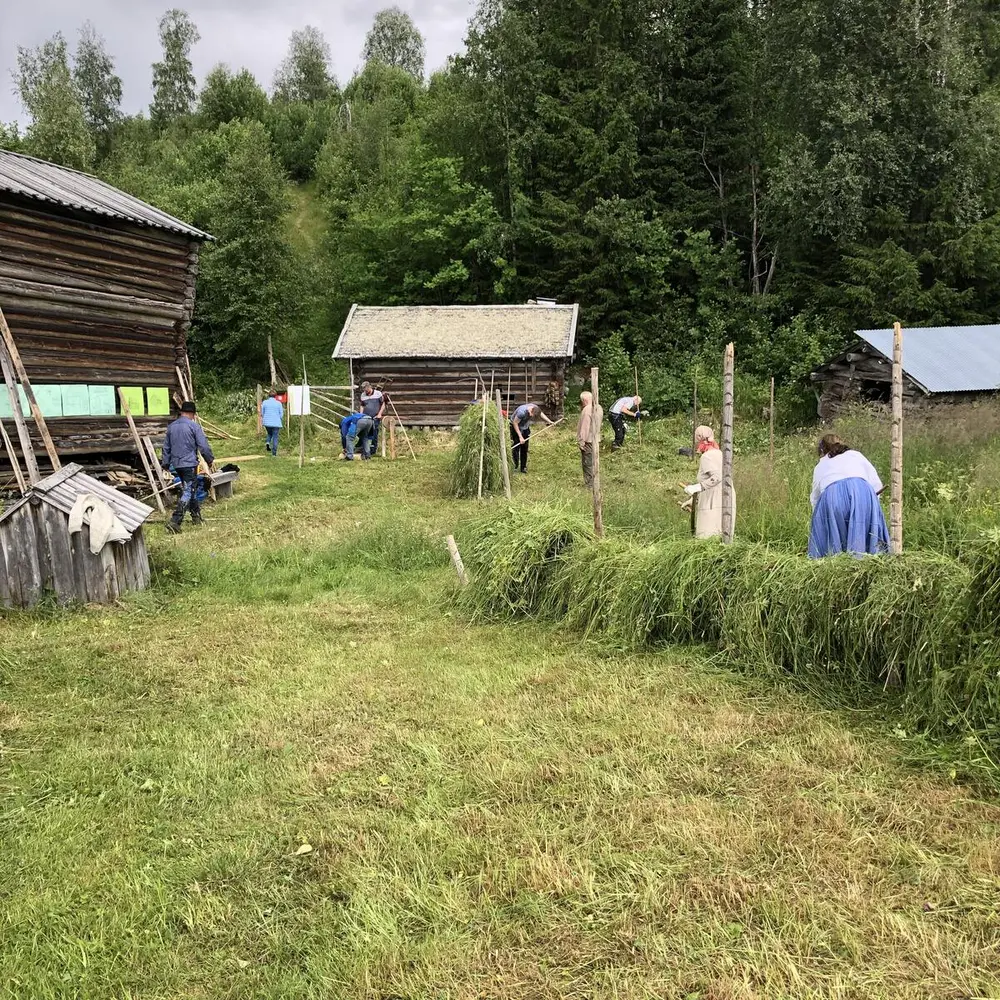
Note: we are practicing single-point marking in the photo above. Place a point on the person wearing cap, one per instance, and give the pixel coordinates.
(627, 406)
(272, 416)
(373, 406)
(184, 441)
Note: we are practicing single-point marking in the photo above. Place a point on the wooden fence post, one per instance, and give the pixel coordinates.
(482, 441)
(595, 444)
(770, 416)
(896, 493)
(457, 560)
(302, 415)
(727, 445)
(694, 422)
(260, 416)
(638, 416)
(503, 447)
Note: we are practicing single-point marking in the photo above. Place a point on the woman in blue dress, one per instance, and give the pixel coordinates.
(847, 515)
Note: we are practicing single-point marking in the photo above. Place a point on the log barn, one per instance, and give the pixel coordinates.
(430, 359)
(941, 366)
(98, 289)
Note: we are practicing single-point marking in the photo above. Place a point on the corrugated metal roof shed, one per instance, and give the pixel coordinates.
(946, 358)
(62, 489)
(48, 182)
(503, 331)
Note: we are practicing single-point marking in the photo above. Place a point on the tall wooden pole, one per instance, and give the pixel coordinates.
(12, 457)
(23, 437)
(770, 417)
(482, 441)
(270, 363)
(595, 444)
(638, 419)
(694, 422)
(503, 447)
(896, 494)
(728, 506)
(302, 415)
(260, 403)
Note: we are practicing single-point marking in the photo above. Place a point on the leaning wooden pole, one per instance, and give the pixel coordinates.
(638, 422)
(402, 427)
(503, 447)
(456, 559)
(728, 497)
(770, 419)
(155, 484)
(12, 458)
(23, 437)
(896, 492)
(694, 422)
(482, 441)
(595, 444)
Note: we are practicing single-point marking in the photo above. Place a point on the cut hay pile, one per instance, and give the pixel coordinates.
(465, 470)
(921, 625)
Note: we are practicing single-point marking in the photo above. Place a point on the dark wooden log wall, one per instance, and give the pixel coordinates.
(433, 392)
(95, 301)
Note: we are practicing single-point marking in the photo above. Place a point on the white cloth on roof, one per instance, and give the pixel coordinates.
(104, 524)
(849, 465)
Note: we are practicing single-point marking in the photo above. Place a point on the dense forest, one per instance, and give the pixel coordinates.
(777, 173)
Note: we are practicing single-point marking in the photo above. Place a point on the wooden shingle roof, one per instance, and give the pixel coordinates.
(503, 331)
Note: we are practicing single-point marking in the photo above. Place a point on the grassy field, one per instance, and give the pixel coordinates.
(292, 769)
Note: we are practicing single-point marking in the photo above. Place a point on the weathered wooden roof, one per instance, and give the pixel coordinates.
(55, 185)
(945, 358)
(504, 331)
(62, 489)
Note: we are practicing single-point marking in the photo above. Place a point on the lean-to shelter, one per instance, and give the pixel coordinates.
(430, 359)
(98, 289)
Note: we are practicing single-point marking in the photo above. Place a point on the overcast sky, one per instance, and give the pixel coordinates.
(251, 33)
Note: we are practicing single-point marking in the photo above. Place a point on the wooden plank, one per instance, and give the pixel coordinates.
(728, 369)
(12, 458)
(595, 443)
(92, 567)
(141, 557)
(23, 437)
(15, 359)
(110, 570)
(55, 527)
(503, 447)
(154, 485)
(5, 597)
(896, 480)
(79, 572)
(28, 567)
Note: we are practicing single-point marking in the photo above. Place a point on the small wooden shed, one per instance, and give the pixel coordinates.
(941, 366)
(429, 359)
(38, 555)
(98, 289)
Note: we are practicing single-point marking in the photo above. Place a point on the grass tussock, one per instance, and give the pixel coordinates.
(922, 625)
(471, 446)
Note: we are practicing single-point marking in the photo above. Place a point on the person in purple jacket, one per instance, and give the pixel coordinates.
(185, 440)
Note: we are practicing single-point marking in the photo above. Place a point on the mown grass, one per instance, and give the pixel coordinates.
(493, 811)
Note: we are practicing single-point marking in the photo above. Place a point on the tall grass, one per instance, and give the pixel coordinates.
(473, 446)
(922, 625)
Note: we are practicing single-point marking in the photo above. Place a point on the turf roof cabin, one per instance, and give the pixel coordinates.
(98, 290)
(430, 359)
(941, 366)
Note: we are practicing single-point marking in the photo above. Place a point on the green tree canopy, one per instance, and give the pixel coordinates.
(173, 75)
(394, 40)
(304, 74)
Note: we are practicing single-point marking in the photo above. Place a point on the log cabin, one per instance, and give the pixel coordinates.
(941, 366)
(98, 289)
(432, 360)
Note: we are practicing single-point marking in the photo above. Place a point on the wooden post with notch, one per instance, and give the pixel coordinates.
(896, 482)
(154, 484)
(501, 430)
(770, 419)
(14, 357)
(482, 442)
(595, 444)
(728, 497)
(392, 437)
(23, 437)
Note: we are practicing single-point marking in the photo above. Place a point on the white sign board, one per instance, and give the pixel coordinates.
(298, 401)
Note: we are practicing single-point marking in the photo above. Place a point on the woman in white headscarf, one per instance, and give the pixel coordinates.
(708, 488)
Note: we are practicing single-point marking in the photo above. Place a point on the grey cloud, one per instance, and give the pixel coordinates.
(250, 33)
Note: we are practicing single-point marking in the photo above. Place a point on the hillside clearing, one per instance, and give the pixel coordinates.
(491, 811)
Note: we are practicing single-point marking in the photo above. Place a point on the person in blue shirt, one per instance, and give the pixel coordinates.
(357, 430)
(272, 416)
(520, 432)
(184, 440)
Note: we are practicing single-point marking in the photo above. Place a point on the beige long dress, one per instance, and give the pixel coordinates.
(708, 522)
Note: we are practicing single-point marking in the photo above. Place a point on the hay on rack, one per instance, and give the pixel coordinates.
(465, 468)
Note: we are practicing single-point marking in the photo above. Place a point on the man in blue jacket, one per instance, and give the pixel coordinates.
(185, 439)
(356, 429)
(272, 417)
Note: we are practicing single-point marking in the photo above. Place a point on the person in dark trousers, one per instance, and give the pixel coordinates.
(520, 432)
(627, 406)
(272, 416)
(184, 441)
(373, 405)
